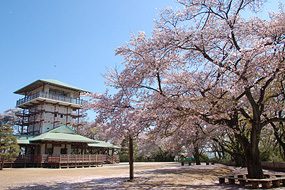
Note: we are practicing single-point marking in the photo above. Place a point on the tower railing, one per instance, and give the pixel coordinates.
(50, 96)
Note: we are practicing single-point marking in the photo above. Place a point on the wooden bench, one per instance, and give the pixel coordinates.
(273, 179)
(222, 179)
(232, 179)
(266, 183)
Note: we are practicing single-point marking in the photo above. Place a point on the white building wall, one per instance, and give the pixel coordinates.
(63, 113)
(43, 149)
(47, 127)
(56, 149)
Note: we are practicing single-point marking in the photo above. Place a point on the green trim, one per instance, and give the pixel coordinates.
(103, 144)
(59, 83)
(24, 139)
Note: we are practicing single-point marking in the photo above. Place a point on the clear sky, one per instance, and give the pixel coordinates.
(79, 37)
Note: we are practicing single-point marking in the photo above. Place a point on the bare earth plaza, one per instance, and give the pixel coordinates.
(155, 175)
(149, 175)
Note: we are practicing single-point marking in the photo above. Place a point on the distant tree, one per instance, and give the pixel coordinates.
(91, 130)
(8, 143)
(124, 151)
(13, 118)
(279, 129)
(188, 135)
(228, 143)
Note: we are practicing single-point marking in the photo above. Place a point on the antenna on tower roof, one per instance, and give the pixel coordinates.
(54, 71)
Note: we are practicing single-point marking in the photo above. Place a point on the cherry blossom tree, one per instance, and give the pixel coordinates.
(206, 60)
(120, 117)
(202, 61)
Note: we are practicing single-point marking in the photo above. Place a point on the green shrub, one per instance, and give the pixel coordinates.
(204, 158)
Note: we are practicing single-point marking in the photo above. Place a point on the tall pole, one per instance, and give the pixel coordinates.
(54, 71)
(131, 157)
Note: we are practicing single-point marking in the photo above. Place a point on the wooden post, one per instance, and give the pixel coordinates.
(76, 161)
(59, 161)
(45, 147)
(41, 120)
(23, 118)
(34, 121)
(66, 116)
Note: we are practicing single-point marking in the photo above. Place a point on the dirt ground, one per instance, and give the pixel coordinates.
(147, 176)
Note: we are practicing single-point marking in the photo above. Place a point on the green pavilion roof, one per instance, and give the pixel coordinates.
(61, 137)
(53, 82)
(62, 134)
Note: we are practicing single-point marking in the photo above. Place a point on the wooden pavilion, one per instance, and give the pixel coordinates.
(63, 147)
(51, 112)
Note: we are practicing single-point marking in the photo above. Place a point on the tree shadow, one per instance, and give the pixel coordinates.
(120, 184)
(185, 170)
(152, 179)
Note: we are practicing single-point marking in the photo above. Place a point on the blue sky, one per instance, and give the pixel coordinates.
(79, 37)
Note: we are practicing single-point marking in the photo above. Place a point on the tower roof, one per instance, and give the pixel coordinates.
(52, 82)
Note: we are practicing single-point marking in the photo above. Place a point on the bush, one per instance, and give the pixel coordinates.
(124, 157)
(265, 155)
(204, 158)
(163, 157)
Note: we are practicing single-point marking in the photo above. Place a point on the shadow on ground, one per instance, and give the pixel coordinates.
(120, 183)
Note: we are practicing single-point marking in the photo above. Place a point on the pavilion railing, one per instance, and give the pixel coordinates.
(64, 160)
(50, 96)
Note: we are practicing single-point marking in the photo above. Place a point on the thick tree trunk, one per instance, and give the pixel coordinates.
(197, 156)
(131, 157)
(252, 155)
(254, 164)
